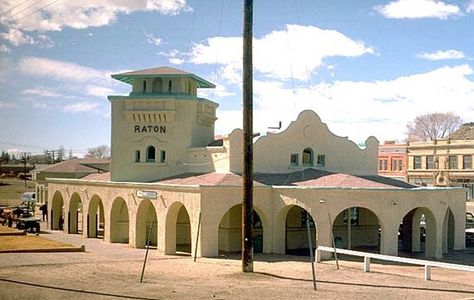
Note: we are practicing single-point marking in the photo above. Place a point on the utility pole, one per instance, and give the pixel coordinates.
(25, 157)
(247, 176)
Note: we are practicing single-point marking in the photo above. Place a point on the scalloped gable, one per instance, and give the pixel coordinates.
(272, 152)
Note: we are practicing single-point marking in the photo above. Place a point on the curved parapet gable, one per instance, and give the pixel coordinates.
(307, 142)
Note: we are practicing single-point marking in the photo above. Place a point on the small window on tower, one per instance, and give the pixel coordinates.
(170, 86)
(294, 159)
(150, 154)
(137, 155)
(144, 86)
(162, 156)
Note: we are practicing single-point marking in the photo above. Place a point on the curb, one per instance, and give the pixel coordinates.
(9, 233)
(82, 248)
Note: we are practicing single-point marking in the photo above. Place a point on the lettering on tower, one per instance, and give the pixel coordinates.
(149, 129)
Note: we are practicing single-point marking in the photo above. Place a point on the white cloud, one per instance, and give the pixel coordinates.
(415, 9)
(359, 109)
(41, 92)
(81, 107)
(442, 55)
(82, 14)
(59, 70)
(17, 37)
(152, 39)
(4, 49)
(98, 91)
(295, 52)
(6, 104)
(470, 7)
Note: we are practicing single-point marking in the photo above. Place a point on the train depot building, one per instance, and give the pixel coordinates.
(170, 179)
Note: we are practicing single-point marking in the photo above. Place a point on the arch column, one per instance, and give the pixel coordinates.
(209, 235)
(162, 244)
(389, 238)
(415, 229)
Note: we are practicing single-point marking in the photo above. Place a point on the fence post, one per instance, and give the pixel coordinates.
(427, 272)
(366, 264)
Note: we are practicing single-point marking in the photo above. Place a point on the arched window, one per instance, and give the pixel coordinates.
(308, 158)
(157, 85)
(150, 154)
(170, 86)
(144, 86)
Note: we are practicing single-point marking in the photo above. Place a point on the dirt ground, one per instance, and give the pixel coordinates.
(112, 271)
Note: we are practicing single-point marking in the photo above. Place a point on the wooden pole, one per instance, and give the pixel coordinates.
(310, 241)
(146, 252)
(333, 242)
(247, 176)
(197, 237)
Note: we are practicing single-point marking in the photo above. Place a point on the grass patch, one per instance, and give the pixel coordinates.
(7, 229)
(29, 242)
(11, 190)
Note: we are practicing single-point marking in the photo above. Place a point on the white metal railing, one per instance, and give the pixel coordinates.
(367, 256)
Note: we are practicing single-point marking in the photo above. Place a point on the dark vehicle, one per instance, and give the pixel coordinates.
(28, 224)
(469, 220)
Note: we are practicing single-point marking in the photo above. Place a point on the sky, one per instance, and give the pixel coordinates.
(367, 68)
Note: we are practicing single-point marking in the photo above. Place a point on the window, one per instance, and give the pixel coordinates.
(394, 165)
(467, 162)
(385, 163)
(453, 162)
(354, 216)
(307, 157)
(416, 162)
(137, 155)
(380, 165)
(429, 162)
(294, 159)
(400, 165)
(321, 161)
(170, 86)
(162, 156)
(150, 154)
(144, 86)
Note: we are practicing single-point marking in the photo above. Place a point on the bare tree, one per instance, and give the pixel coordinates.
(102, 151)
(433, 126)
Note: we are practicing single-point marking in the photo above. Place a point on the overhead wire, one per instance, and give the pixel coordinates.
(191, 32)
(22, 10)
(7, 11)
(219, 29)
(41, 8)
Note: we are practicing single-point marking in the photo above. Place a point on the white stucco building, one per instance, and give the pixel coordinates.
(168, 174)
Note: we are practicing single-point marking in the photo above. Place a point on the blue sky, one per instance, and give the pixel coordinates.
(365, 67)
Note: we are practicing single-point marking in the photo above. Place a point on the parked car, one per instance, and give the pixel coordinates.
(469, 220)
(28, 224)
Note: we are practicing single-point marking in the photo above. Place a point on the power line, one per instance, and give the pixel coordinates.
(6, 12)
(22, 10)
(51, 3)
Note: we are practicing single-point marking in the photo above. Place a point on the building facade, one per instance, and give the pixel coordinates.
(171, 183)
(392, 159)
(443, 162)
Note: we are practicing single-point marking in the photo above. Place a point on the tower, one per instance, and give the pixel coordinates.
(154, 125)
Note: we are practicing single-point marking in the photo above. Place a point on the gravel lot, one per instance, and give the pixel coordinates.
(112, 271)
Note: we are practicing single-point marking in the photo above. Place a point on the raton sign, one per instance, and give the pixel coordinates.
(149, 129)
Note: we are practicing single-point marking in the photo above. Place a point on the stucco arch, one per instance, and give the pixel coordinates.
(75, 214)
(177, 229)
(57, 212)
(365, 230)
(418, 233)
(230, 230)
(119, 221)
(293, 219)
(95, 217)
(449, 229)
(146, 224)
